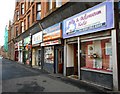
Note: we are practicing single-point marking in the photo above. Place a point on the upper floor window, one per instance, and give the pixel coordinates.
(22, 26)
(28, 4)
(50, 4)
(58, 3)
(22, 8)
(17, 3)
(17, 15)
(33, 14)
(32, 1)
(28, 21)
(16, 31)
(38, 11)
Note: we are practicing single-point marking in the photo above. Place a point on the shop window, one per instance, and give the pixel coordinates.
(49, 54)
(97, 55)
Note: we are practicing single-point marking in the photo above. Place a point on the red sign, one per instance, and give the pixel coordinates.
(54, 42)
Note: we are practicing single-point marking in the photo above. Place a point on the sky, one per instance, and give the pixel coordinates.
(6, 13)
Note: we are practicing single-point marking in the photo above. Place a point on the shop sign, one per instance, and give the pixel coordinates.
(27, 41)
(97, 18)
(54, 42)
(37, 38)
(53, 32)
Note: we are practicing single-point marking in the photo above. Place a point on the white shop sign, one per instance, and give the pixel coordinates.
(90, 20)
(37, 38)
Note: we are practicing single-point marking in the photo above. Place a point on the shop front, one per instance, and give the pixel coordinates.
(89, 45)
(16, 52)
(20, 47)
(27, 51)
(53, 49)
(36, 49)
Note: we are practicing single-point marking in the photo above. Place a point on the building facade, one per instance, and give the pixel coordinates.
(11, 41)
(77, 39)
(27, 13)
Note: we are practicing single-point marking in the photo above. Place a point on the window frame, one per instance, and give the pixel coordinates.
(38, 11)
(22, 8)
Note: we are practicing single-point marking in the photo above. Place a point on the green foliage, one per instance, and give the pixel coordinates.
(6, 40)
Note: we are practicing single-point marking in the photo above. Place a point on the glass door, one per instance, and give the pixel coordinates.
(39, 57)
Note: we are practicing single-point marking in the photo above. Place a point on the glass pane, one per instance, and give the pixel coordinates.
(49, 54)
(22, 11)
(22, 23)
(97, 55)
(50, 4)
(22, 6)
(38, 15)
(58, 3)
(38, 7)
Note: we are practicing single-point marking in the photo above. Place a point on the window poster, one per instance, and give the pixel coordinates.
(108, 49)
(49, 54)
(90, 49)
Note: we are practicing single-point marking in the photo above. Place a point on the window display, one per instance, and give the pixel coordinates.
(97, 55)
(49, 54)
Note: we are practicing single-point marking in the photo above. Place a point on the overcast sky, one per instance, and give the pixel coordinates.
(6, 13)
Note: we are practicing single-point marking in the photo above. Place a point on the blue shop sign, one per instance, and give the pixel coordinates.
(97, 18)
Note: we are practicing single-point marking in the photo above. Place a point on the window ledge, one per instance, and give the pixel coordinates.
(97, 70)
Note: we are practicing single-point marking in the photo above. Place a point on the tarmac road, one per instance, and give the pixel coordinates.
(20, 78)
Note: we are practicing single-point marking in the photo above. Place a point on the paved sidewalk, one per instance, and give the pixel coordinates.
(59, 77)
(75, 82)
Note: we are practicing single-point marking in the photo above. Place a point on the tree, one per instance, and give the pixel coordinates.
(6, 40)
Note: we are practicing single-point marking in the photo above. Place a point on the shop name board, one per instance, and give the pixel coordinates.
(27, 41)
(100, 17)
(37, 38)
(54, 42)
(93, 19)
(52, 32)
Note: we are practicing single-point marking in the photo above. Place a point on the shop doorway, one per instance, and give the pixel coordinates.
(39, 57)
(72, 62)
(76, 59)
(16, 55)
(26, 57)
(59, 59)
